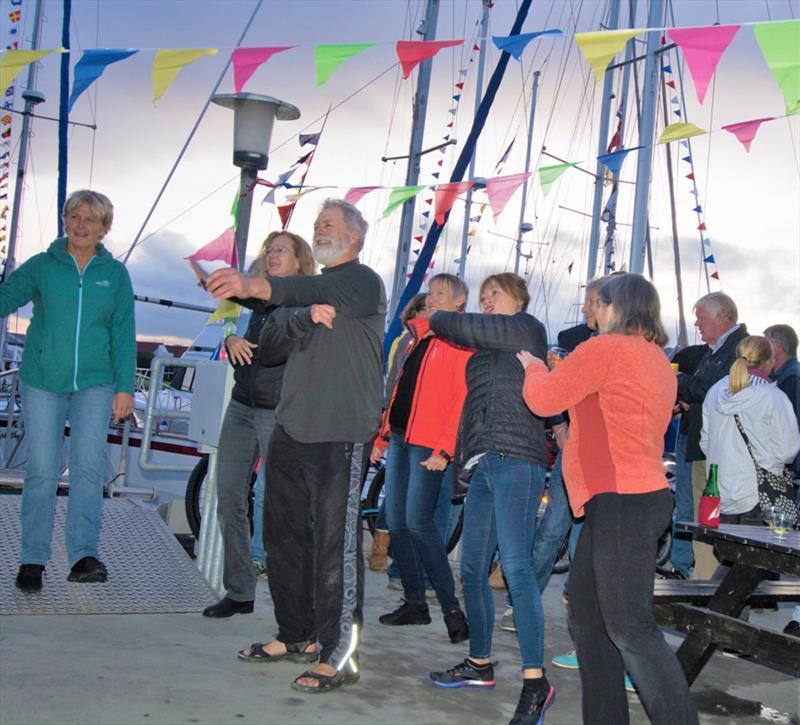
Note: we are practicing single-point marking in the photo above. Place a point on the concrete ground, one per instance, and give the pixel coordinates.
(181, 668)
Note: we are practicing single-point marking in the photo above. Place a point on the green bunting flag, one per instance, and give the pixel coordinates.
(549, 174)
(399, 195)
(329, 57)
(780, 44)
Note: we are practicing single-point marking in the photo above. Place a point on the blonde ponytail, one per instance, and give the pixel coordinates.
(751, 353)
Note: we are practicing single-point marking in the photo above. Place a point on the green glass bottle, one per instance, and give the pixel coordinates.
(712, 489)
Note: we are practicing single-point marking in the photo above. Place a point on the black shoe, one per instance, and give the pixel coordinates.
(408, 613)
(792, 628)
(226, 607)
(29, 578)
(533, 703)
(457, 628)
(464, 674)
(88, 570)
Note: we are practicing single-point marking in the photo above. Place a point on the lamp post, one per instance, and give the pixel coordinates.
(253, 118)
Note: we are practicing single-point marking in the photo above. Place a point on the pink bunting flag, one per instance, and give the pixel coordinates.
(222, 248)
(746, 130)
(446, 195)
(411, 53)
(702, 48)
(247, 60)
(500, 190)
(357, 192)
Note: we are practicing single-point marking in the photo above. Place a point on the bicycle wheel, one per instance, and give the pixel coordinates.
(664, 551)
(561, 564)
(371, 504)
(458, 529)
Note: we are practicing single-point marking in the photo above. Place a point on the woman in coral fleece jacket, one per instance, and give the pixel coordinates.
(423, 420)
(619, 389)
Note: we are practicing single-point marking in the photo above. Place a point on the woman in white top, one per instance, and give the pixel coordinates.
(768, 420)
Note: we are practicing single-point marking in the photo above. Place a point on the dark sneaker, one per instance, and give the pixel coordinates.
(29, 577)
(226, 607)
(792, 628)
(465, 674)
(457, 628)
(88, 570)
(408, 613)
(533, 703)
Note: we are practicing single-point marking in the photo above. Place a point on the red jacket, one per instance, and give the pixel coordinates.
(438, 395)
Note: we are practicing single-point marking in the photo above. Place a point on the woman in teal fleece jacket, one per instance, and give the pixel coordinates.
(78, 365)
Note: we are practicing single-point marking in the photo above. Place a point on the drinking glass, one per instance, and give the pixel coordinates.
(781, 523)
(555, 355)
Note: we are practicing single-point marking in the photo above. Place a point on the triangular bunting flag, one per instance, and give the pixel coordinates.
(426, 213)
(516, 44)
(701, 227)
(303, 159)
(222, 248)
(91, 66)
(677, 111)
(446, 195)
(667, 69)
(13, 61)
(168, 63)
(399, 195)
(600, 47)
(457, 97)
(329, 57)
(746, 130)
(436, 175)
(675, 101)
(710, 259)
(702, 48)
(282, 179)
(549, 174)
(476, 47)
(714, 275)
(309, 138)
(698, 209)
(247, 60)
(285, 213)
(691, 176)
(671, 84)
(678, 131)
(226, 310)
(614, 161)
(501, 188)
(685, 143)
(418, 239)
(411, 53)
(462, 71)
(429, 201)
(687, 159)
(460, 86)
(357, 192)
(779, 43)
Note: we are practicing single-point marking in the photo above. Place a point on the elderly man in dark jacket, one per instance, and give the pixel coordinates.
(717, 321)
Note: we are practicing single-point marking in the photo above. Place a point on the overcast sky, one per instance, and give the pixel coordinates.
(751, 201)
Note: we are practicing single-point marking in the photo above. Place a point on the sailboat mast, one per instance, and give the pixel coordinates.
(521, 228)
(462, 260)
(31, 97)
(639, 232)
(412, 174)
(602, 147)
(63, 117)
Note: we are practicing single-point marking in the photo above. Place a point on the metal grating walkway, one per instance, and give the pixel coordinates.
(148, 570)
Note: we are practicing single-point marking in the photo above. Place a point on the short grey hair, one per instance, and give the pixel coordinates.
(99, 204)
(352, 217)
(594, 284)
(719, 304)
(785, 336)
(456, 284)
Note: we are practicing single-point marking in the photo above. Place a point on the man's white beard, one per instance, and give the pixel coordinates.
(329, 253)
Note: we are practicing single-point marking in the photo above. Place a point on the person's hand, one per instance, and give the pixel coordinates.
(434, 463)
(227, 282)
(527, 359)
(375, 455)
(560, 432)
(240, 351)
(121, 406)
(323, 315)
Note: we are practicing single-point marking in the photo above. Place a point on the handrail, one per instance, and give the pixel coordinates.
(152, 412)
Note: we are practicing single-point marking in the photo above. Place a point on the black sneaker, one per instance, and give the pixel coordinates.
(792, 628)
(466, 674)
(533, 703)
(29, 577)
(457, 627)
(88, 570)
(407, 613)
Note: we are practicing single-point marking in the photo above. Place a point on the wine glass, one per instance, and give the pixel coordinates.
(781, 523)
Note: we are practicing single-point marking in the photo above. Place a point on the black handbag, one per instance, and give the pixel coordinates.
(774, 489)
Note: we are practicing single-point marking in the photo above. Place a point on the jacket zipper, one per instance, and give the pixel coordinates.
(415, 400)
(78, 320)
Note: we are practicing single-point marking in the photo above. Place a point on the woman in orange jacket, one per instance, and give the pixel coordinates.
(422, 421)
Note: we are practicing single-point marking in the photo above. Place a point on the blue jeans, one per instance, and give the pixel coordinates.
(257, 543)
(411, 496)
(682, 556)
(44, 414)
(502, 501)
(553, 527)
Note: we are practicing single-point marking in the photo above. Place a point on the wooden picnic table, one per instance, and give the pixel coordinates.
(752, 552)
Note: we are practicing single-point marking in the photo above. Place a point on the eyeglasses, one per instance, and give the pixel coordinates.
(276, 250)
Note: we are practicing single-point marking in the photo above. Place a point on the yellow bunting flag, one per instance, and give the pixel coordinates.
(226, 310)
(601, 46)
(678, 131)
(168, 63)
(13, 61)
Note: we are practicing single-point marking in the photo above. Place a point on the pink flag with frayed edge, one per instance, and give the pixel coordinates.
(247, 60)
(358, 192)
(411, 53)
(702, 48)
(222, 248)
(501, 188)
(446, 195)
(746, 131)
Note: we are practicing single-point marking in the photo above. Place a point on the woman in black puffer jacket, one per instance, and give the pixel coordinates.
(248, 423)
(501, 452)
